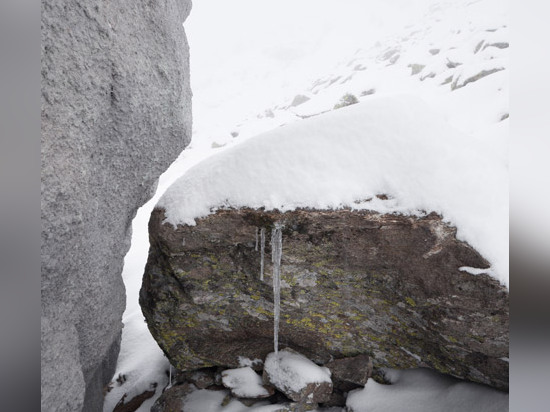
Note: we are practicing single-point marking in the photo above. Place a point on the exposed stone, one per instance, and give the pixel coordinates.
(452, 65)
(478, 46)
(116, 111)
(433, 52)
(172, 398)
(459, 82)
(498, 45)
(133, 404)
(298, 100)
(394, 59)
(350, 373)
(416, 68)
(202, 378)
(389, 54)
(368, 92)
(289, 372)
(430, 75)
(337, 398)
(353, 282)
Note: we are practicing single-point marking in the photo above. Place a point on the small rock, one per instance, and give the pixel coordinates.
(416, 68)
(394, 59)
(452, 65)
(201, 378)
(172, 398)
(298, 100)
(245, 383)
(368, 92)
(134, 403)
(337, 399)
(498, 45)
(348, 373)
(297, 377)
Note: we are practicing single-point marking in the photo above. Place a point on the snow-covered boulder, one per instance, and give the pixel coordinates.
(297, 377)
(245, 383)
(366, 268)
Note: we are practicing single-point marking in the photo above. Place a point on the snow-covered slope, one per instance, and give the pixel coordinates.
(251, 58)
(429, 48)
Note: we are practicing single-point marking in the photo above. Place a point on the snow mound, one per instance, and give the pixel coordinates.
(397, 146)
(423, 390)
(244, 383)
(214, 401)
(290, 371)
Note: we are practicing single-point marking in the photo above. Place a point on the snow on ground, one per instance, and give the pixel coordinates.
(251, 58)
(213, 401)
(423, 390)
(293, 371)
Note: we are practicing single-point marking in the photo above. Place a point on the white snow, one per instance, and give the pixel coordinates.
(213, 401)
(142, 363)
(474, 271)
(422, 390)
(393, 145)
(244, 361)
(293, 371)
(244, 383)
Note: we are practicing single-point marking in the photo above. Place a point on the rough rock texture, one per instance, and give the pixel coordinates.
(172, 398)
(115, 113)
(354, 283)
(313, 393)
(131, 405)
(202, 378)
(350, 373)
(297, 377)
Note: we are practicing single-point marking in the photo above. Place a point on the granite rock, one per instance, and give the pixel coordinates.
(116, 111)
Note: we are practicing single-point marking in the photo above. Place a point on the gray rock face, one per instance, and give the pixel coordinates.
(116, 111)
(353, 283)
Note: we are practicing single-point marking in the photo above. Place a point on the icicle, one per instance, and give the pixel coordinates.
(170, 381)
(262, 246)
(256, 247)
(276, 255)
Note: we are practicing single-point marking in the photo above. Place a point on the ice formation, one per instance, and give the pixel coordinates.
(276, 254)
(262, 252)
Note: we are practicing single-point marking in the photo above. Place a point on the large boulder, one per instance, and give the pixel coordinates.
(116, 111)
(353, 282)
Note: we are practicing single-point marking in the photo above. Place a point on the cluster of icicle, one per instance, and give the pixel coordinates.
(276, 255)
